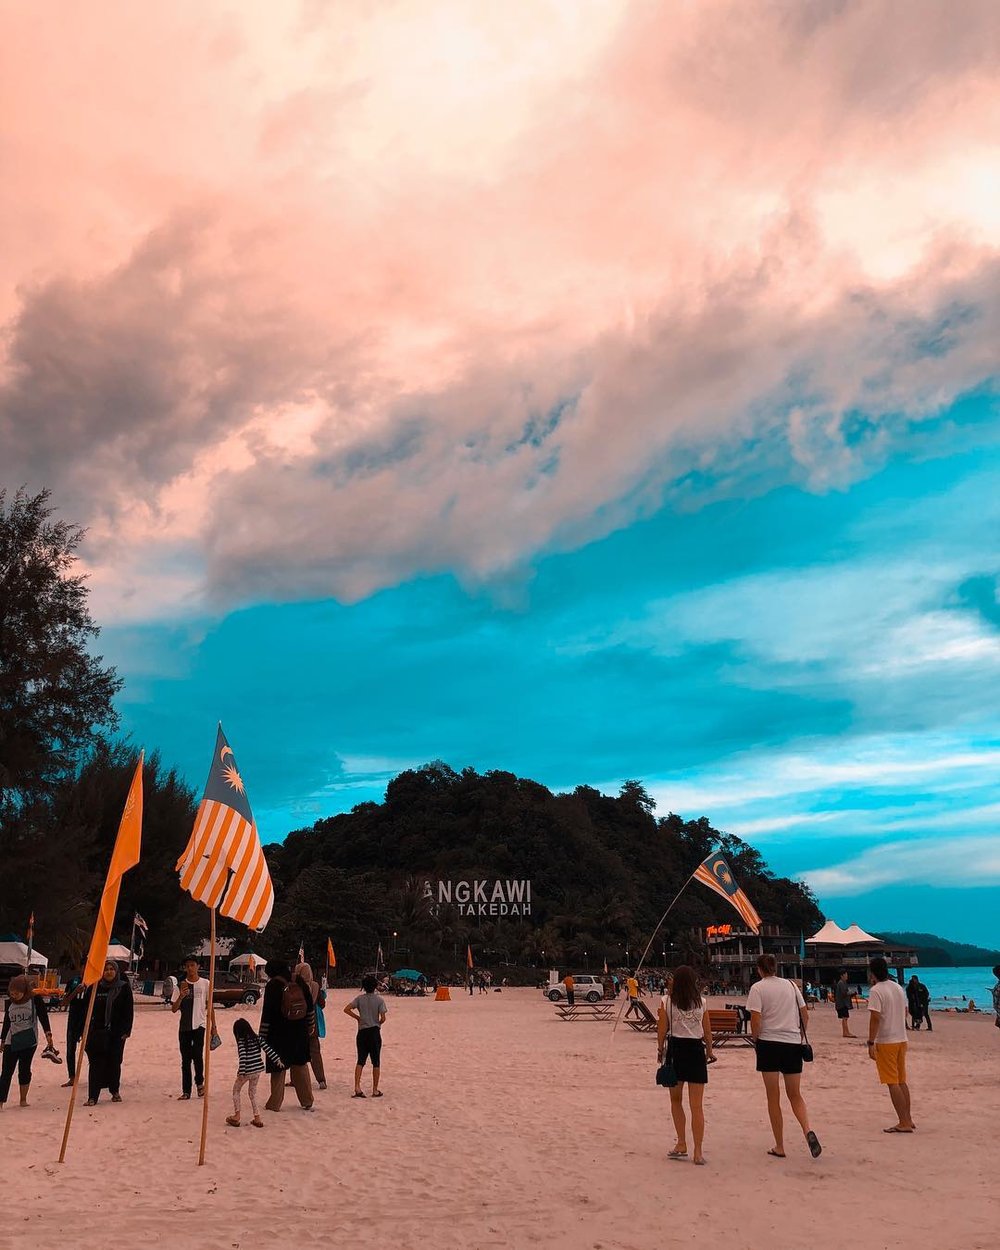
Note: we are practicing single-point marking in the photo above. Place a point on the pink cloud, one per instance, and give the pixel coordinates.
(292, 295)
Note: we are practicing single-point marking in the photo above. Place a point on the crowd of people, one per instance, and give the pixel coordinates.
(287, 1045)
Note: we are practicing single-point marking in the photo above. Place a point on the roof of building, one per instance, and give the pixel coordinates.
(832, 934)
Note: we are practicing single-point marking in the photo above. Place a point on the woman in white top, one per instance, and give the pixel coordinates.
(685, 1035)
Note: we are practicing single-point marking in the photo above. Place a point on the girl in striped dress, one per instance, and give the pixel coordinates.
(250, 1051)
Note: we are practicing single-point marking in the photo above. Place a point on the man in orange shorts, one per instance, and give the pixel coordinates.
(887, 1040)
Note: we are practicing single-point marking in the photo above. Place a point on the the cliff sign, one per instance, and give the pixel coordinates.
(483, 897)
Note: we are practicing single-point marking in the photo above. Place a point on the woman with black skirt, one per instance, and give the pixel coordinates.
(685, 1036)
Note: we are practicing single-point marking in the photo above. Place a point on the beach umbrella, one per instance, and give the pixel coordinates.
(409, 974)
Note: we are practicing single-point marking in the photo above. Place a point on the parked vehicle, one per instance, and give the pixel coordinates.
(230, 990)
(586, 988)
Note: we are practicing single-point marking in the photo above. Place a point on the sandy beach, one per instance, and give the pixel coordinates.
(503, 1126)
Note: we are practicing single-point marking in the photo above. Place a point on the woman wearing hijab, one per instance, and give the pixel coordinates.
(110, 1027)
(305, 972)
(19, 1036)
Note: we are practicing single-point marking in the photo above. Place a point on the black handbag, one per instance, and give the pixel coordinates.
(666, 1073)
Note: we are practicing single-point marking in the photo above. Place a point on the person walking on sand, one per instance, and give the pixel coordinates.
(191, 1002)
(887, 1040)
(684, 1034)
(250, 1049)
(843, 999)
(568, 986)
(632, 989)
(319, 1002)
(19, 1037)
(778, 1022)
(110, 1028)
(369, 1010)
(286, 1020)
(996, 997)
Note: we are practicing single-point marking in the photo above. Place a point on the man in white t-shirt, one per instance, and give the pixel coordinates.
(778, 1023)
(192, 1003)
(887, 1040)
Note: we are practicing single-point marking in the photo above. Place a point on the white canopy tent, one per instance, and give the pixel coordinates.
(245, 961)
(16, 953)
(832, 934)
(116, 951)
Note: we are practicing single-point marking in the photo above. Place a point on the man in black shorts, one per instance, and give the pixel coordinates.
(778, 1023)
(843, 998)
(369, 1010)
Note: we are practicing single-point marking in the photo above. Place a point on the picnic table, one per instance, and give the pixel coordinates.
(585, 1011)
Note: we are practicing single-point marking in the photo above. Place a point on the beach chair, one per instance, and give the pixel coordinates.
(727, 1029)
(645, 1022)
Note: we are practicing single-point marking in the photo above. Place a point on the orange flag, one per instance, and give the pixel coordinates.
(124, 857)
(468, 957)
(331, 958)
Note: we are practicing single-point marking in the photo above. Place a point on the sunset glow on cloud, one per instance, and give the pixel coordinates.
(310, 302)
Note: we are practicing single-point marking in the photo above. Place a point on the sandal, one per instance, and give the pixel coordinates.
(233, 1120)
(91, 1102)
(357, 1094)
(378, 1094)
(778, 1154)
(116, 1097)
(815, 1149)
(257, 1122)
(677, 1154)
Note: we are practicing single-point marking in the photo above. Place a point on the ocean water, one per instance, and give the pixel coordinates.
(947, 985)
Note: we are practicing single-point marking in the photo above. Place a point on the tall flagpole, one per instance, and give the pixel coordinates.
(649, 945)
(209, 1030)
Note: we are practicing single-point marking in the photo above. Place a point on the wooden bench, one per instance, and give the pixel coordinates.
(585, 1011)
(727, 1029)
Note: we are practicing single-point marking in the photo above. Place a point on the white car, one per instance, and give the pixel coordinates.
(586, 989)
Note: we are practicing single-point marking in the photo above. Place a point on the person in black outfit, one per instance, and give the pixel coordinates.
(110, 1028)
(913, 1003)
(286, 1035)
(76, 1015)
(924, 995)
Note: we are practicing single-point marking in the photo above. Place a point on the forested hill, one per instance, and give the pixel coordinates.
(938, 952)
(602, 871)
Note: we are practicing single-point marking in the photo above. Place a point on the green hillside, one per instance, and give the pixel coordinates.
(934, 951)
(602, 868)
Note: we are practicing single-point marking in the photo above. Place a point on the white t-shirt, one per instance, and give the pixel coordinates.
(888, 998)
(778, 1002)
(683, 1023)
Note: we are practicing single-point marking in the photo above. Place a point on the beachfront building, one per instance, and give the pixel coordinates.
(733, 950)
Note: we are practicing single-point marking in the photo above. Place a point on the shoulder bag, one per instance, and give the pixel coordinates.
(666, 1073)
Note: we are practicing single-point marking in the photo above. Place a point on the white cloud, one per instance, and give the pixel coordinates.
(971, 861)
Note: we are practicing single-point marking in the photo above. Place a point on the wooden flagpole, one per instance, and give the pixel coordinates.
(209, 1031)
(79, 1070)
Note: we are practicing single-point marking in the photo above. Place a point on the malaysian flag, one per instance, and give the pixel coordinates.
(223, 861)
(717, 875)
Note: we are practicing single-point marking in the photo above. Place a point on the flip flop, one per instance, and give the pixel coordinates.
(896, 1129)
(677, 1154)
(699, 1163)
(815, 1149)
(357, 1094)
(778, 1154)
(378, 1094)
